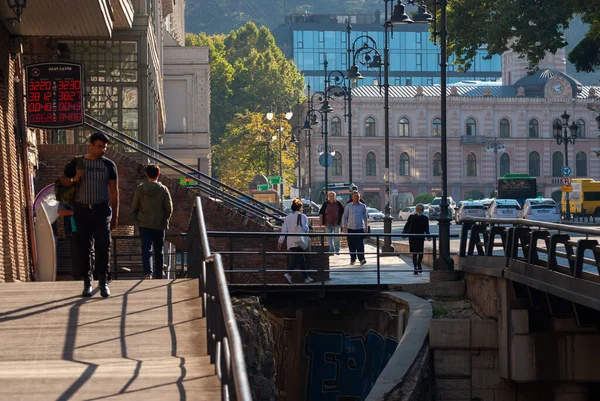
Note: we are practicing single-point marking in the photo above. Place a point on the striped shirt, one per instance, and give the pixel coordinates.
(355, 216)
(94, 184)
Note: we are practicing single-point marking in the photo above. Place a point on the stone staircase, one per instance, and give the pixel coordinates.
(147, 341)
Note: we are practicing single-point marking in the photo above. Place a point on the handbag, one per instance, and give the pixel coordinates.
(302, 242)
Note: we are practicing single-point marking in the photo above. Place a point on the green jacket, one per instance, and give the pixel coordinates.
(152, 206)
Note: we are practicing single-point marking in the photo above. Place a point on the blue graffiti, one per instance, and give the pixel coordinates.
(344, 367)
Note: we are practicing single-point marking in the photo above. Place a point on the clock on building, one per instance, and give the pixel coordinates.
(557, 88)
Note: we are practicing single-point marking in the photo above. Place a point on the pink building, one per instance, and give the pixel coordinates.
(519, 115)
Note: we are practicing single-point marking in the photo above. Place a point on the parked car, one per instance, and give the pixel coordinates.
(540, 209)
(308, 207)
(469, 209)
(374, 214)
(503, 209)
(405, 212)
(434, 208)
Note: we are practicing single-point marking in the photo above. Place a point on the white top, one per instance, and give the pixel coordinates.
(290, 226)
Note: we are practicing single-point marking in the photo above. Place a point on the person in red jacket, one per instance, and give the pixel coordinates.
(331, 217)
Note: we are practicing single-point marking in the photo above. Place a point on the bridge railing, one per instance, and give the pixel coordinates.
(223, 338)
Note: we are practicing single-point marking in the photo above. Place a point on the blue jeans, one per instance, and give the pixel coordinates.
(152, 240)
(334, 242)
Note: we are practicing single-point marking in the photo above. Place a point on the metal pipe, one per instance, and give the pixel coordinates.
(387, 220)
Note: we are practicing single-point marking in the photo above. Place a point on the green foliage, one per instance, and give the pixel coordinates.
(250, 143)
(248, 73)
(423, 198)
(528, 27)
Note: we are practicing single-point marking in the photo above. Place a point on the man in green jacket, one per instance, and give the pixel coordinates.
(152, 208)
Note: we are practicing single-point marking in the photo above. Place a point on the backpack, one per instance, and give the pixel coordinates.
(66, 194)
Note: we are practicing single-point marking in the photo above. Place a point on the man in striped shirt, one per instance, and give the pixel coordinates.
(96, 208)
(356, 220)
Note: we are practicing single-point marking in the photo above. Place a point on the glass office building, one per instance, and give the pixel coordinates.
(310, 39)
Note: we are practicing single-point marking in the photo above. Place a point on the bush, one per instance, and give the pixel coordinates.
(423, 198)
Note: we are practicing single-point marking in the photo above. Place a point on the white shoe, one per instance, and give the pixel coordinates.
(308, 280)
(288, 278)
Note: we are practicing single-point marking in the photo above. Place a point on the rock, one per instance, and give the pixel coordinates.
(258, 346)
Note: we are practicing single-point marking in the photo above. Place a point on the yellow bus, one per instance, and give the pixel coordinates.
(585, 198)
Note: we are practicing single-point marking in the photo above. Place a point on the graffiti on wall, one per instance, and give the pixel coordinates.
(344, 367)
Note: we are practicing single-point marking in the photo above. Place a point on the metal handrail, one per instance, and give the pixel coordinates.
(541, 224)
(224, 340)
(206, 187)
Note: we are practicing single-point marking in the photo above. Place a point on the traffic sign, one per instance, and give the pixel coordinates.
(395, 187)
(567, 188)
(566, 181)
(263, 187)
(322, 160)
(275, 180)
(566, 170)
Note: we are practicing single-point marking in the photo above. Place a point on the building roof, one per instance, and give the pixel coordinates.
(532, 90)
(535, 83)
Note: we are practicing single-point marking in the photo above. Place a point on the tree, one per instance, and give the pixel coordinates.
(528, 27)
(248, 73)
(250, 144)
(423, 198)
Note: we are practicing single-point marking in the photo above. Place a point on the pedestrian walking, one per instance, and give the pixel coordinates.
(355, 220)
(417, 223)
(295, 222)
(96, 210)
(152, 208)
(331, 217)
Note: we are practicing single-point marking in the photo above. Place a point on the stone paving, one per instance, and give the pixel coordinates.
(393, 269)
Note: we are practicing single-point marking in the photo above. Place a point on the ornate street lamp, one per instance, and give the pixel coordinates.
(17, 6)
(288, 115)
(367, 56)
(565, 133)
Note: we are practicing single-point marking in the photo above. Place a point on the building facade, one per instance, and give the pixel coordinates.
(520, 114)
(310, 39)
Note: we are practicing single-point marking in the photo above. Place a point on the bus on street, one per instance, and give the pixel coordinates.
(517, 186)
(585, 198)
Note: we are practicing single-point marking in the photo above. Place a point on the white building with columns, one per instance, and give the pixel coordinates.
(520, 114)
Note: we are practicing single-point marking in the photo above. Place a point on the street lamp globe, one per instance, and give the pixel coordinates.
(289, 115)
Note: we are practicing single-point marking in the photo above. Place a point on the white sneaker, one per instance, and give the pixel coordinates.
(288, 278)
(308, 280)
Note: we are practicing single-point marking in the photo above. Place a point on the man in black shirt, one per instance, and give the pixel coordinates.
(417, 223)
(94, 215)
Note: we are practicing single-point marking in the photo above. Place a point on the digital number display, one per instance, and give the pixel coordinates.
(54, 95)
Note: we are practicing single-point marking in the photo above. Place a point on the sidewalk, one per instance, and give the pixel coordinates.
(393, 269)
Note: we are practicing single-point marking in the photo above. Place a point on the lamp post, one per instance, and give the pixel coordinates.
(368, 56)
(288, 116)
(268, 139)
(444, 262)
(495, 146)
(565, 133)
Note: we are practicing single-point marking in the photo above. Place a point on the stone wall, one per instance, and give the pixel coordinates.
(15, 255)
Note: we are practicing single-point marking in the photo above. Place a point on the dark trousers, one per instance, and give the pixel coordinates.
(298, 261)
(356, 245)
(152, 240)
(93, 238)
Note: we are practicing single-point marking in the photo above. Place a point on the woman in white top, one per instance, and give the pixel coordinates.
(296, 222)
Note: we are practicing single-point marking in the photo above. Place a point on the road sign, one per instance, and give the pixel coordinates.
(275, 180)
(395, 187)
(394, 192)
(263, 187)
(186, 181)
(322, 160)
(566, 170)
(567, 188)
(566, 181)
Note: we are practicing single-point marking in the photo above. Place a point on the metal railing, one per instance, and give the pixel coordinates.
(223, 338)
(206, 184)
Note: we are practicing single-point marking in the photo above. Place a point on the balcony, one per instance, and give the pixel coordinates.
(472, 140)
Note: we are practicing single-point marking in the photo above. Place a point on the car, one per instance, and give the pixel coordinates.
(374, 214)
(405, 212)
(540, 209)
(469, 208)
(503, 209)
(434, 208)
(308, 207)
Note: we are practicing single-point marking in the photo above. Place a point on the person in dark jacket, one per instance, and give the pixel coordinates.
(331, 217)
(152, 208)
(417, 223)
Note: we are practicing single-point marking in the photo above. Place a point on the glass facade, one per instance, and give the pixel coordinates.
(414, 58)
